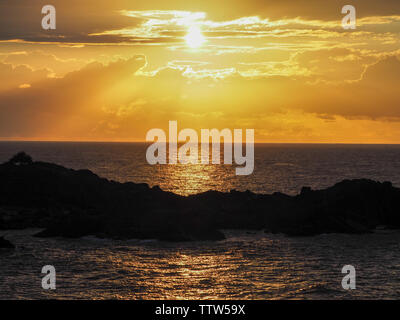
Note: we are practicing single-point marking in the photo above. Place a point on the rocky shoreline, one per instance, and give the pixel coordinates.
(74, 203)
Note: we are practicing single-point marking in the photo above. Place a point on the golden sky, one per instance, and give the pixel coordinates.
(112, 70)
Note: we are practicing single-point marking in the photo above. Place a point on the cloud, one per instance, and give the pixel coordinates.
(118, 102)
(99, 22)
(171, 26)
(374, 96)
(334, 64)
(64, 107)
(76, 19)
(37, 59)
(12, 77)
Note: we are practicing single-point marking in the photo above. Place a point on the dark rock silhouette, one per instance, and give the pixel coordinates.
(5, 244)
(75, 203)
(21, 159)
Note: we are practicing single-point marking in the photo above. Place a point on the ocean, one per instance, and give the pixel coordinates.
(247, 265)
(277, 167)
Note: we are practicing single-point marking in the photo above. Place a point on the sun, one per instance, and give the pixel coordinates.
(194, 37)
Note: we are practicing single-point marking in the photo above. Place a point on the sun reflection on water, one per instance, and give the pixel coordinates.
(186, 179)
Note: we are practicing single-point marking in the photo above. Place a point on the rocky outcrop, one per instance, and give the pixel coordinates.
(75, 203)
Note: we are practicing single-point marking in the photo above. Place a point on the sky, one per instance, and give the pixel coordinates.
(113, 70)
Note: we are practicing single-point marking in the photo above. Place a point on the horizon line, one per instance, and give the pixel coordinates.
(149, 142)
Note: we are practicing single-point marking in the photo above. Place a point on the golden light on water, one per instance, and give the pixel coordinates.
(187, 179)
(196, 271)
(194, 38)
(192, 178)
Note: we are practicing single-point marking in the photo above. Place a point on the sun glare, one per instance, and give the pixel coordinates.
(194, 37)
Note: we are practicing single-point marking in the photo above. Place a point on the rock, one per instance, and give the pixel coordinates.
(75, 203)
(21, 159)
(5, 244)
(73, 227)
(305, 190)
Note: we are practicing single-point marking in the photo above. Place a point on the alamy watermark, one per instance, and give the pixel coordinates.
(49, 20)
(349, 280)
(349, 20)
(49, 280)
(189, 152)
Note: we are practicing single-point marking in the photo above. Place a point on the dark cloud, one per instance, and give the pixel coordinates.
(316, 9)
(76, 20)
